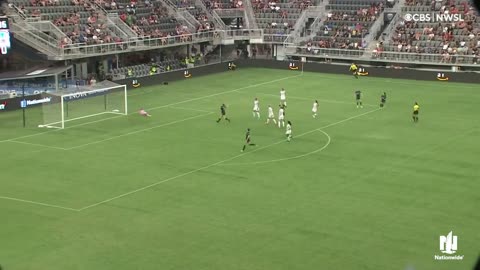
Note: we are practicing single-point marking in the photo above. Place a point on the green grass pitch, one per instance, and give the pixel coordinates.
(356, 188)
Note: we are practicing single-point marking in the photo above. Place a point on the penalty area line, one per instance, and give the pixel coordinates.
(320, 100)
(138, 131)
(39, 203)
(39, 145)
(214, 164)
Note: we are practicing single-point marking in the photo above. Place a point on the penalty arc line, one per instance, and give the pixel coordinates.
(329, 139)
(214, 164)
(160, 107)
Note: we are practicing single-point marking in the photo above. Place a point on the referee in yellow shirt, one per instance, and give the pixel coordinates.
(416, 109)
(354, 70)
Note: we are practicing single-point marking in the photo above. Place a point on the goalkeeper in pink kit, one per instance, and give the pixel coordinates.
(142, 112)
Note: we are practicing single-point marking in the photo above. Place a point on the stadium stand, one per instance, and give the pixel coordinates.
(150, 19)
(80, 20)
(418, 40)
(277, 18)
(347, 23)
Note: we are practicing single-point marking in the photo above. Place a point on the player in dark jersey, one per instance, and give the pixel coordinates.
(248, 140)
(383, 99)
(358, 98)
(223, 113)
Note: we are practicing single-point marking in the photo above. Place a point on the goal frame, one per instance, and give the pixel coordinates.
(86, 93)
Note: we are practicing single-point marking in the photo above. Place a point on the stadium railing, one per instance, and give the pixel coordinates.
(276, 38)
(384, 56)
(230, 13)
(242, 34)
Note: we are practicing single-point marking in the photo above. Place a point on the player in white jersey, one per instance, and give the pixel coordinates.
(256, 109)
(315, 109)
(283, 97)
(281, 116)
(271, 115)
(289, 131)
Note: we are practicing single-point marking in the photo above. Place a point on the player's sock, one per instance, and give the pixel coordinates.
(219, 120)
(254, 114)
(244, 146)
(227, 119)
(274, 121)
(258, 115)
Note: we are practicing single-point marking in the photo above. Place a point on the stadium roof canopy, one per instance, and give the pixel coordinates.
(34, 72)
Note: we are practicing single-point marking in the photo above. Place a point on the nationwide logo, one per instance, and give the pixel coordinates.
(3, 105)
(24, 103)
(449, 245)
(433, 17)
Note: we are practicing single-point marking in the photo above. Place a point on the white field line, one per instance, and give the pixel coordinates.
(225, 92)
(319, 100)
(138, 131)
(190, 109)
(39, 203)
(160, 107)
(40, 145)
(216, 163)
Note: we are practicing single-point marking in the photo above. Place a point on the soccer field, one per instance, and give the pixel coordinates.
(356, 188)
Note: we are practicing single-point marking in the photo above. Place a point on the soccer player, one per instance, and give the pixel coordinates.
(383, 99)
(281, 116)
(354, 70)
(256, 109)
(358, 98)
(223, 113)
(283, 97)
(416, 109)
(144, 113)
(315, 109)
(247, 140)
(289, 131)
(271, 116)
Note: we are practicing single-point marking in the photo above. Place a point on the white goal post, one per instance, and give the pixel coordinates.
(84, 102)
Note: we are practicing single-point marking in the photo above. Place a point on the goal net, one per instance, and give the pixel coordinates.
(81, 102)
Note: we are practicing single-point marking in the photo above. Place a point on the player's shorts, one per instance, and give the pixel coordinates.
(415, 112)
(256, 109)
(281, 117)
(248, 140)
(288, 132)
(271, 116)
(358, 99)
(283, 99)
(314, 110)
